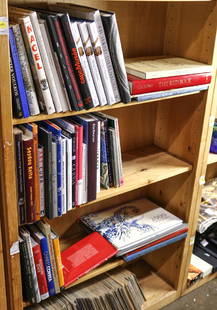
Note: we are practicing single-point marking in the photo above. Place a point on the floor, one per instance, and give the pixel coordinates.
(203, 298)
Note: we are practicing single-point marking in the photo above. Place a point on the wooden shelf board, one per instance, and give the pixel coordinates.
(212, 159)
(200, 283)
(42, 117)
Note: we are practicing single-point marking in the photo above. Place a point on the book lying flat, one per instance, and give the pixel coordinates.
(164, 67)
(133, 224)
(85, 255)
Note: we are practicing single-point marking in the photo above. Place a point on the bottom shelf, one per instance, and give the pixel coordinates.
(200, 283)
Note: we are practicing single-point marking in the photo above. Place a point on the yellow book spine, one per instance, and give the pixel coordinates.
(58, 259)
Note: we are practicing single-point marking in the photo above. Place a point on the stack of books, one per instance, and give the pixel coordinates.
(114, 290)
(159, 77)
(62, 163)
(136, 228)
(62, 62)
(41, 265)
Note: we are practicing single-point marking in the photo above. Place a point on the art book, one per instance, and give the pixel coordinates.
(133, 224)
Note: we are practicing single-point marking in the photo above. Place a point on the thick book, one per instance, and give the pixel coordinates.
(171, 92)
(141, 86)
(114, 43)
(164, 67)
(56, 246)
(132, 225)
(26, 71)
(42, 240)
(205, 267)
(85, 255)
(18, 144)
(16, 102)
(78, 70)
(18, 74)
(207, 257)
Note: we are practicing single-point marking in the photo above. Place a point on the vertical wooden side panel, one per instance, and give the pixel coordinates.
(8, 206)
(3, 300)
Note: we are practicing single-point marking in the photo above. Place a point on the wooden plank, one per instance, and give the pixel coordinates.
(3, 300)
(200, 282)
(212, 159)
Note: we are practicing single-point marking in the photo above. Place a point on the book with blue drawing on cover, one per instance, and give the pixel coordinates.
(133, 224)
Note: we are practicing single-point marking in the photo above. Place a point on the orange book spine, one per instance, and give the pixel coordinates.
(58, 259)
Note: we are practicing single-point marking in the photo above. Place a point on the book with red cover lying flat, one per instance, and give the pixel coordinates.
(140, 86)
(84, 256)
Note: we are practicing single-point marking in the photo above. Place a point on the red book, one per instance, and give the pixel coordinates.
(141, 86)
(40, 272)
(84, 256)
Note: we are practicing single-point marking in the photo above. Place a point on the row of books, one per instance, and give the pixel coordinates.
(115, 290)
(158, 77)
(62, 163)
(62, 61)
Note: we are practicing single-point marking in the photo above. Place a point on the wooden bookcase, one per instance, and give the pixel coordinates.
(164, 142)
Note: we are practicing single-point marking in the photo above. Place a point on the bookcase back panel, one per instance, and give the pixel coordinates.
(178, 125)
(191, 30)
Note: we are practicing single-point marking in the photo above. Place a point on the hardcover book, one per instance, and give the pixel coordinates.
(85, 255)
(164, 67)
(16, 102)
(133, 224)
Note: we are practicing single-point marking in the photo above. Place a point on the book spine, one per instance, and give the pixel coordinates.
(119, 157)
(54, 180)
(79, 73)
(17, 108)
(80, 165)
(18, 74)
(74, 160)
(57, 47)
(45, 90)
(98, 157)
(104, 175)
(20, 177)
(68, 63)
(100, 29)
(27, 281)
(36, 172)
(92, 160)
(26, 71)
(53, 264)
(69, 173)
(39, 266)
(63, 158)
(58, 259)
(109, 154)
(113, 152)
(84, 173)
(85, 37)
(41, 179)
(140, 86)
(28, 156)
(76, 164)
(101, 62)
(84, 62)
(47, 265)
(65, 104)
(114, 43)
(46, 62)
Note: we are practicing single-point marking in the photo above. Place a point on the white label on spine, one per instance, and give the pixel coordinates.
(4, 25)
(15, 248)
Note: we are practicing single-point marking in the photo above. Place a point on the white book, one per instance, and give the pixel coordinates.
(100, 58)
(68, 174)
(54, 180)
(63, 147)
(26, 71)
(41, 179)
(38, 64)
(164, 67)
(84, 62)
(203, 266)
(92, 62)
(85, 173)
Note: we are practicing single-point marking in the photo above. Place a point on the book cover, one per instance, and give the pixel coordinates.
(26, 71)
(164, 67)
(114, 43)
(79, 73)
(199, 263)
(132, 224)
(85, 255)
(18, 74)
(16, 103)
(141, 86)
(18, 144)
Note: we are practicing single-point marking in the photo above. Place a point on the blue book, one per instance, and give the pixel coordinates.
(56, 136)
(155, 247)
(172, 92)
(42, 240)
(18, 74)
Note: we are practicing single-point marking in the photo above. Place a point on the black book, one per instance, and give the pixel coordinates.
(207, 257)
(17, 108)
(45, 139)
(50, 19)
(79, 74)
(18, 134)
